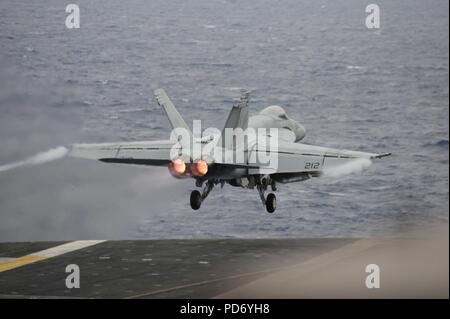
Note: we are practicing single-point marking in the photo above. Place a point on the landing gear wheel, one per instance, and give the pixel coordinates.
(196, 200)
(271, 203)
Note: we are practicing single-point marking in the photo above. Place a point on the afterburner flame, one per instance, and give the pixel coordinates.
(177, 167)
(200, 168)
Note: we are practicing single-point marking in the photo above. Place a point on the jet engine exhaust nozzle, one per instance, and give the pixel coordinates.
(199, 168)
(178, 168)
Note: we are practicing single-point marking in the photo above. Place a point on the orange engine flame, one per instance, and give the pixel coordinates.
(200, 168)
(177, 167)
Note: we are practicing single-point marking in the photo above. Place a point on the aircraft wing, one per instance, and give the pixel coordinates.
(139, 153)
(303, 160)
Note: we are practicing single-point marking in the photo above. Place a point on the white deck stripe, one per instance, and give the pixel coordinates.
(6, 265)
(65, 248)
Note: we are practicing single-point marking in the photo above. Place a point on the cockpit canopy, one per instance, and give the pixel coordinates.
(276, 117)
(275, 111)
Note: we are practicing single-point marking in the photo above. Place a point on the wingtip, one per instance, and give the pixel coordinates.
(382, 155)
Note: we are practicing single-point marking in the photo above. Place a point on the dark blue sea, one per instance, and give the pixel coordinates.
(374, 90)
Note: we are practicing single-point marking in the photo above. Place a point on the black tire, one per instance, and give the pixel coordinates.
(271, 203)
(196, 200)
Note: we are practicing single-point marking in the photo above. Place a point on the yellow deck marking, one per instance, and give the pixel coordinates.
(19, 262)
(47, 253)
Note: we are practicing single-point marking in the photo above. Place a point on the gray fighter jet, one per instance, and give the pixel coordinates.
(250, 152)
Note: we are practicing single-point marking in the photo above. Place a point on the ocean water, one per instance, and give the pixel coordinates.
(383, 90)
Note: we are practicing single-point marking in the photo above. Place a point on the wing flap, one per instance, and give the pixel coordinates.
(138, 153)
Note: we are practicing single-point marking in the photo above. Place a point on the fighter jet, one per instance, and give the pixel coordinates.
(250, 152)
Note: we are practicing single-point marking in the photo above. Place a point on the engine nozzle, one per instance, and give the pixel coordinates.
(199, 168)
(177, 168)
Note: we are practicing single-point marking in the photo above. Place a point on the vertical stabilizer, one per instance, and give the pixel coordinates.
(238, 118)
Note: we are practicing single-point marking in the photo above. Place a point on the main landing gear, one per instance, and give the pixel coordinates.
(197, 197)
(261, 183)
(271, 200)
